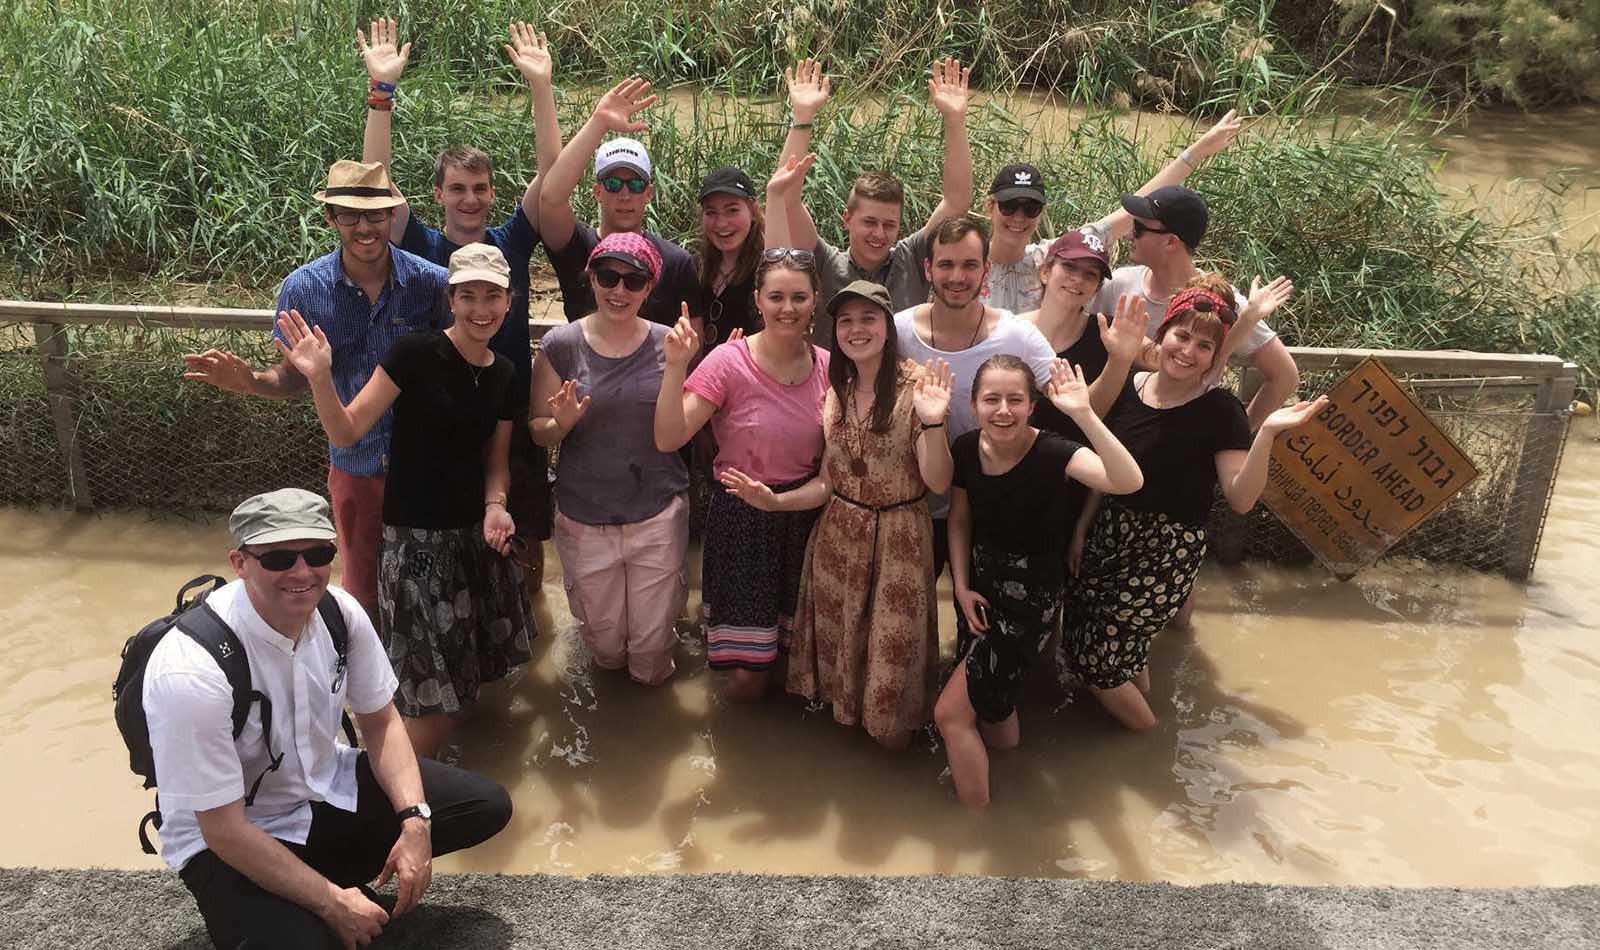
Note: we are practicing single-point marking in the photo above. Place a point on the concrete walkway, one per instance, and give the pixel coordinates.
(113, 909)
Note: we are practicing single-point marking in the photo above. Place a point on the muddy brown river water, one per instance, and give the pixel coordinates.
(1418, 725)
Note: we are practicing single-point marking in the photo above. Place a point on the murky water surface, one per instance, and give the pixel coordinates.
(1415, 726)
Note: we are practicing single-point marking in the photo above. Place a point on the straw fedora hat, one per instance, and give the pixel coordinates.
(361, 185)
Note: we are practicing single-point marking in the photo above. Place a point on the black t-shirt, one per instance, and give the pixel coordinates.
(1019, 511)
(678, 282)
(1089, 354)
(1176, 449)
(733, 309)
(446, 412)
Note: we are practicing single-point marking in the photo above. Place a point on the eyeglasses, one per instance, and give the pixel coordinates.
(1028, 207)
(1140, 229)
(713, 323)
(633, 280)
(279, 560)
(803, 258)
(347, 218)
(613, 184)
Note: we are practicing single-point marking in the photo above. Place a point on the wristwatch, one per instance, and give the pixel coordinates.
(419, 810)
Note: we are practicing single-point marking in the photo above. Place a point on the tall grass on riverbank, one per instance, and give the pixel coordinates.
(188, 151)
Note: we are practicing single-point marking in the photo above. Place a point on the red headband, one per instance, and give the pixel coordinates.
(1185, 300)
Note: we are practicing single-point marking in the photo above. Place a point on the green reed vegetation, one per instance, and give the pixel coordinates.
(180, 141)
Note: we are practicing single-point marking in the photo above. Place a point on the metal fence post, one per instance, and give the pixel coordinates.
(51, 341)
(1542, 443)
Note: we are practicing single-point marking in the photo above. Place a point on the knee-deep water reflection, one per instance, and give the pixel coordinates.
(1418, 725)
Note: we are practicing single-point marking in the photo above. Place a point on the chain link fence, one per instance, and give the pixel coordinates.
(148, 439)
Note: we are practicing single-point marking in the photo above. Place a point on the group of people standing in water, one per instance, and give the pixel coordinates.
(973, 394)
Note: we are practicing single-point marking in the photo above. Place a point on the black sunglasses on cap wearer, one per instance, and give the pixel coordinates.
(1028, 207)
(1140, 229)
(608, 278)
(614, 184)
(279, 560)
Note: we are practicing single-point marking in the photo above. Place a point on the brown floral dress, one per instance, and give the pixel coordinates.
(865, 634)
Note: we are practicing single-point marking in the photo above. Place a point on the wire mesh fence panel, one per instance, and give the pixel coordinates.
(147, 437)
(1500, 428)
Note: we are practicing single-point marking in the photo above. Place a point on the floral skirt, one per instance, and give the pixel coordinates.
(1138, 569)
(455, 615)
(1024, 596)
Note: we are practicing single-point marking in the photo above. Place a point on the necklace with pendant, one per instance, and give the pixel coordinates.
(858, 464)
(477, 373)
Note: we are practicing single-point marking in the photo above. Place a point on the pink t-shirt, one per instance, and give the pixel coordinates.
(767, 430)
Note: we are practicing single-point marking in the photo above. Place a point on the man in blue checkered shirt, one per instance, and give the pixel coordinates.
(363, 295)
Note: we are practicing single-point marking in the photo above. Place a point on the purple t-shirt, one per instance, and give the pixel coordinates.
(767, 430)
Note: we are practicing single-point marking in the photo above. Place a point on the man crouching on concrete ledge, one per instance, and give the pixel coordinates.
(289, 869)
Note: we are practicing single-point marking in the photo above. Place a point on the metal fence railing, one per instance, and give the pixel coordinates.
(94, 413)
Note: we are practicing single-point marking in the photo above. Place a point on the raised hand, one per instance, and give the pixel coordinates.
(1218, 137)
(221, 369)
(968, 601)
(1290, 416)
(1264, 300)
(787, 177)
(947, 89)
(751, 492)
(735, 335)
(1125, 337)
(1068, 391)
(565, 406)
(529, 52)
(931, 397)
(384, 57)
(681, 343)
(808, 89)
(305, 347)
(618, 106)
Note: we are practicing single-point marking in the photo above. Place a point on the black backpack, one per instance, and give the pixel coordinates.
(196, 618)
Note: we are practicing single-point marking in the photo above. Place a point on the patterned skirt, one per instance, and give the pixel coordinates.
(1024, 596)
(1138, 569)
(750, 578)
(455, 615)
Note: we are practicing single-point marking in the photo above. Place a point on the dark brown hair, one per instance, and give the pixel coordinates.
(749, 251)
(1005, 361)
(951, 230)
(842, 375)
(464, 157)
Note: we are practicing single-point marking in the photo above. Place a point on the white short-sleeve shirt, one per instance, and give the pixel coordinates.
(1131, 280)
(1011, 335)
(189, 706)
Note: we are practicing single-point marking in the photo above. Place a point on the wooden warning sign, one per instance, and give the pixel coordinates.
(1363, 472)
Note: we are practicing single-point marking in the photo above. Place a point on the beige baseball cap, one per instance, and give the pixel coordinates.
(479, 262)
(288, 514)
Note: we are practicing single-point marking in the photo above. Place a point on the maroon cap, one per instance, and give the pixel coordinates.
(1080, 246)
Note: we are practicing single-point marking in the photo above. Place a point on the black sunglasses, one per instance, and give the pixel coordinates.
(1140, 229)
(773, 255)
(1027, 206)
(279, 560)
(1206, 305)
(633, 280)
(614, 184)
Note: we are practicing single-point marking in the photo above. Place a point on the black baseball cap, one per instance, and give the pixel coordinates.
(1181, 210)
(727, 180)
(1018, 181)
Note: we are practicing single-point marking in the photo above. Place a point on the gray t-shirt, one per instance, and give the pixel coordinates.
(1017, 337)
(901, 274)
(609, 471)
(1131, 280)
